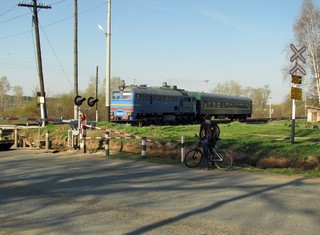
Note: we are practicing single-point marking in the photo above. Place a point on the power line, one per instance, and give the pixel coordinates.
(58, 2)
(53, 23)
(53, 51)
(14, 18)
(17, 17)
(8, 10)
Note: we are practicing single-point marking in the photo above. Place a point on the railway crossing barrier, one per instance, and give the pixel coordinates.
(20, 141)
(81, 131)
(77, 133)
(107, 137)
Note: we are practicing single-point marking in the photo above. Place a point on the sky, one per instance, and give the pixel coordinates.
(181, 42)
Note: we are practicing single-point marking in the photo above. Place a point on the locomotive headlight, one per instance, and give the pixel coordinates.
(129, 113)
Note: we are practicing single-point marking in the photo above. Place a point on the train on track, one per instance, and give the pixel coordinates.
(143, 105)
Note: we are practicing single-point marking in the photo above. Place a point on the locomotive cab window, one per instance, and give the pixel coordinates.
(126, 95)
(138, 96)
(116, 95)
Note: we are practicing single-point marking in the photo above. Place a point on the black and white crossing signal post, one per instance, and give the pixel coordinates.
(296, 92)
(82, 120)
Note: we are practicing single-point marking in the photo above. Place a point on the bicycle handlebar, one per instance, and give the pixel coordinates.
(201, 139)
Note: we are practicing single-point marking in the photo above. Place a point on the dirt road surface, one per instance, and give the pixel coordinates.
(70, 193)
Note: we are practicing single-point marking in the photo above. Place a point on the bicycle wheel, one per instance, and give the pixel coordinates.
(222, 160)
(193, 158)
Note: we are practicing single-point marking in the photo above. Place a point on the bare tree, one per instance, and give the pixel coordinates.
(18, 96)
(91, 88)
(4, 88)
(307, 33)
(259, 96)
(228, 88)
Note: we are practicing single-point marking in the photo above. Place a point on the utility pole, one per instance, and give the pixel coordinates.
(97, 115)
(35, 7)
(75, 44)
(108, 63)
(207, 88)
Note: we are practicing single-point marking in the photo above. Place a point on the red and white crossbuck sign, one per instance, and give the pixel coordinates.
(297, 55)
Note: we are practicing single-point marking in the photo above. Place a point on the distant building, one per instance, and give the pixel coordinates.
(313, 114)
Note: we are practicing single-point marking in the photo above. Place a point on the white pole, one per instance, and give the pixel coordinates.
(270, 108)
(183, 147)
(293, 123)
(108, 34)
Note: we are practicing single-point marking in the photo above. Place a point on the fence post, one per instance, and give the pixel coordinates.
(47, 140)
(143, 147)
(15, 137)
(84, 134)
(106, 143)
(183, 147)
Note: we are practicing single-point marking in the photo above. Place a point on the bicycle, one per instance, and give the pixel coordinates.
(194, 157)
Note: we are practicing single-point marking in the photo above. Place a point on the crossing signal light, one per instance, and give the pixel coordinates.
(92, 101)
(78, 100)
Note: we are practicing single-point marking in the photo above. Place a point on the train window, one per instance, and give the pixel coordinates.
(126, 95)
(116, 95)
(138, 96)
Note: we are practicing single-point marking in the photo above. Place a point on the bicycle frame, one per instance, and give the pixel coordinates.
(215, 156)
(212, 151)
(194, 157)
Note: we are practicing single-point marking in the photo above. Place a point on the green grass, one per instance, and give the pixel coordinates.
(265, 146)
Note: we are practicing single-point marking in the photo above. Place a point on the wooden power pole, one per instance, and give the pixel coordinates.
(35, 7)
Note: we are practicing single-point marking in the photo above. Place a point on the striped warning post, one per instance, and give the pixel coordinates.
(122, 134)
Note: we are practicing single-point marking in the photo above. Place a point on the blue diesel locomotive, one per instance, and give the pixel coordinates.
(168, 104)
